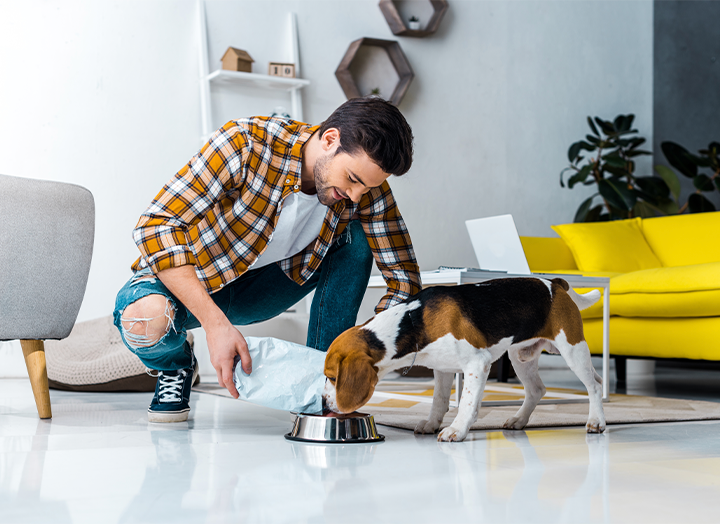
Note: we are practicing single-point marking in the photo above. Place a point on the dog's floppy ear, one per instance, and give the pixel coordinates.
(355, 381)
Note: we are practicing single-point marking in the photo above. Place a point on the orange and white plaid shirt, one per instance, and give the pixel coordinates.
(219, 212)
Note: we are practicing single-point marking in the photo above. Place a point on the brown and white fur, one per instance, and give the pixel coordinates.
(465, 329)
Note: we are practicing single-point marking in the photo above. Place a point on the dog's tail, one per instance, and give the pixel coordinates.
(586, 300)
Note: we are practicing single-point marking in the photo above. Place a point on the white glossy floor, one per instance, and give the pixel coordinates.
(99, 461)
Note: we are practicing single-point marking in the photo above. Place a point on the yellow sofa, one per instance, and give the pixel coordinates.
(664, 282)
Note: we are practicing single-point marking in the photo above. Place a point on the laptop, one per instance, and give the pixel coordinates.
(497, 244)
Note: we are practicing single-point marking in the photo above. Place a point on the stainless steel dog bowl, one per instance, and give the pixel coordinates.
(340, 429)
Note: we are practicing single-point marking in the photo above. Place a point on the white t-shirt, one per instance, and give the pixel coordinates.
(301, 218)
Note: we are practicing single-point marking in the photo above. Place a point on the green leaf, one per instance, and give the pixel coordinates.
(636, 142)
(580, 176)
(668, 206)
(563, 172)
(703, 183)
(596, 214)
(606, 127)
(653, 185)
(623, 122)
(699, 204)
(615, 160)
(617, 171)
(581, 214)
(593, 139)
(701, 161)
(617, 194)
(574, 151)
(680, 158)
(592, 126)
(670, 178)
(637, 152)
(643, 210)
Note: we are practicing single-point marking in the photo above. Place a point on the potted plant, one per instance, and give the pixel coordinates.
(414, 23)
(611, 150)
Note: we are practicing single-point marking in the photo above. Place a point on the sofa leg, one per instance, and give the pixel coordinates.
(34, 351)
(621, 369)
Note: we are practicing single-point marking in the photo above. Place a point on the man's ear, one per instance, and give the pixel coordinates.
(355, 382)
(330, 140)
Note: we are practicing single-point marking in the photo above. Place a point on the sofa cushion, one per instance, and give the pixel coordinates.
(694, 338)
(617, 246)
(686, 291)
(682, 240)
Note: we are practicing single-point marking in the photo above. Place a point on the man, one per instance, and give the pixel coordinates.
(267, 211)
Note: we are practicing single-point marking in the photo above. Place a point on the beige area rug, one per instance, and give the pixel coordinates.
(620, 409)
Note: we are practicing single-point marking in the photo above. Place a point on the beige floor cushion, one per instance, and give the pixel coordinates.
(93, 358)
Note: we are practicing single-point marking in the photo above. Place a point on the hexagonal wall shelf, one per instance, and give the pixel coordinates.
(391, 9)
(372, 66)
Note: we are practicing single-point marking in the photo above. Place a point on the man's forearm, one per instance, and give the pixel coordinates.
(185, 285)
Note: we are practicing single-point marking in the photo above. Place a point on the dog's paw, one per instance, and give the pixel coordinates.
(514, 423)
(451, 434)
(595, 426)
(426, 427)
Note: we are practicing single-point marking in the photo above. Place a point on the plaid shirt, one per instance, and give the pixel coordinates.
(219, 212)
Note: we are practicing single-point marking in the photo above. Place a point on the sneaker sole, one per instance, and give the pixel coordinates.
(168, 416)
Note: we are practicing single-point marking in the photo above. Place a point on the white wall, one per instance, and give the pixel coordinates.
(105, 94)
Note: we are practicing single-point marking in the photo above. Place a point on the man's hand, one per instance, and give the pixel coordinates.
(224, 340)
(224, 343)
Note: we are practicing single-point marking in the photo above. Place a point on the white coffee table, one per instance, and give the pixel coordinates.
(449, 277)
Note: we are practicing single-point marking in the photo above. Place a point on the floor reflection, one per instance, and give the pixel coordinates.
(483, 490)
(22, 463)
(167, 480)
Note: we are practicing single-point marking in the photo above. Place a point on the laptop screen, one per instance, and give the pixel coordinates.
(497, 244)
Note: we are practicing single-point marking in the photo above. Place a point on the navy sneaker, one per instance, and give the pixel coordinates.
(171, 402)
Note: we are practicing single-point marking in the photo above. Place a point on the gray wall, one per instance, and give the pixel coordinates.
(686, 85)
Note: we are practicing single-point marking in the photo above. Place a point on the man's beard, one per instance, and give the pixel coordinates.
(325, 192)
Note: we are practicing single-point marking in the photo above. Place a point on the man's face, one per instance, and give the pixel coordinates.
(345, 176)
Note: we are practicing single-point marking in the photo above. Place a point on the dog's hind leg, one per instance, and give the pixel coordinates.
(577, 357)
(440, 404)
(525, 364)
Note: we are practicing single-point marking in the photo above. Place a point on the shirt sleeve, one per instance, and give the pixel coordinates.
(391, 246)
(186, 199)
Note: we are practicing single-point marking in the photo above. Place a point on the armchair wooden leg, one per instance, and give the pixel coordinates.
(34, 351)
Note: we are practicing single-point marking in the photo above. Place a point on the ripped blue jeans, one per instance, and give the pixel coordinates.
(256, 296)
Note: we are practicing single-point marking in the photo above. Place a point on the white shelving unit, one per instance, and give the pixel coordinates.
(240, 80)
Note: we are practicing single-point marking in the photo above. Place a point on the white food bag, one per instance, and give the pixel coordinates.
(284, 376)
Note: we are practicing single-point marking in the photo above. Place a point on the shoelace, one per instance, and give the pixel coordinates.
(171, 386)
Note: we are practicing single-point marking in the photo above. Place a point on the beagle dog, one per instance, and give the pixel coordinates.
(465, 329)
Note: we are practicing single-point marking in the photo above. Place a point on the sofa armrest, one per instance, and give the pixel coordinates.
(547, 254)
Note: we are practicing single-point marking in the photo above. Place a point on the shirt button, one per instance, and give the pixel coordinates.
(288, 181)
(296, 187)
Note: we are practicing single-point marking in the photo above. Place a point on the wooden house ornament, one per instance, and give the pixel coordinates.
(237, 60)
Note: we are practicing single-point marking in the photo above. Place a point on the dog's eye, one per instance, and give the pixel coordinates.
(331, 379)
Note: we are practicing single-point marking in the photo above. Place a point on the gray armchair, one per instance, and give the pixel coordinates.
(46, 241)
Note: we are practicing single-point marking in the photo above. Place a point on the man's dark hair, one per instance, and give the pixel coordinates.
(377, 127)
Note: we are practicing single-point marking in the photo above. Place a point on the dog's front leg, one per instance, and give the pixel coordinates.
(440, 404)
(475, 377)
